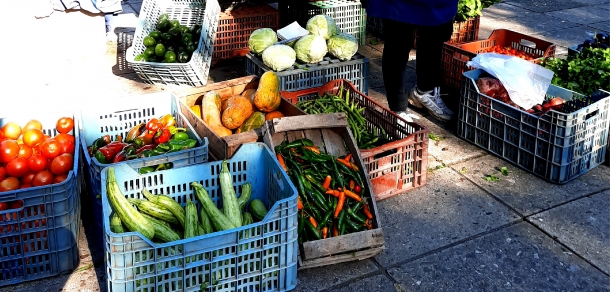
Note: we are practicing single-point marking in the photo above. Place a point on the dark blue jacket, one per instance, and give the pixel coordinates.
(419, 12)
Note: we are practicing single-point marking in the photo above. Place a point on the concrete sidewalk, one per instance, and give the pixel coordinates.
(457, 233)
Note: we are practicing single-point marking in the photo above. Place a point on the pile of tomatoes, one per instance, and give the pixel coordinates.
(31, 158)
(510, 52)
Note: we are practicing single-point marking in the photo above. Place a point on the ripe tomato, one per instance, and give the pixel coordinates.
(62, 164)
(42, 178)
(25, 151)
(27, 179)
(64, 137)
(67, 147)
(50, 148)
(32, 124)
(1, 136)
(60, 178)
(3, 206)
(37, 163)
(11, 131)
(9, 184)
(65, 125)
(9, 149)
(2, 173)
(16, 204)
(17, 167)
(25, 186)
(32, 137)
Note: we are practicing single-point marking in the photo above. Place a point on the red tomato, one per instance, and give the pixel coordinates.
(67, 147)
(2, 173)
(42, 178)
(9, 149)
(11, 131)
(64, 137)
(60, 178)
(25, 151)
(1, 136)
(62, 164)
(32, 124)
(17, 167)
(50, 148)
(37, 163)
(3, 206)
(32, 137)
(9, 184)
(27, 179)
(65, 125)
(16, 204)
(25, 186)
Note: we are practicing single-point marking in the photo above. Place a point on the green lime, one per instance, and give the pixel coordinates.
(163, 25)
(149, 42)
(184, 29)
(149, 52)
(174, 23)
(170, 57)
(141, 57)
(155, 34)
(160, 50)
(187, 38)
(166, 37)
(163, 17)
(183, 57)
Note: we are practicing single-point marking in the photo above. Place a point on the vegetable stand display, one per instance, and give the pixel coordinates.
(330, 136)
(395, 152)
(224, 147)
(39, 225)
(261, 256)
(118, 120)
(555, 145)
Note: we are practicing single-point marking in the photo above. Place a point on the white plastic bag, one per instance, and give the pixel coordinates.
(525, 82)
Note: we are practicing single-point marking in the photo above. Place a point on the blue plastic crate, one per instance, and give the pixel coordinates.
(40, 239)
(258, 257)
(556, 146)
(305, 76)
(118, 119)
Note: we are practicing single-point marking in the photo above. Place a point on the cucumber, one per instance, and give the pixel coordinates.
(205, 221)
(247, 219)
(154, 210)
(116, 225)
(133, 220)
(246, 192)
(163, 231)
(258, 209)
(229, 199)
(167, 203)
(190, 224)
(200, 230)
(219, 220)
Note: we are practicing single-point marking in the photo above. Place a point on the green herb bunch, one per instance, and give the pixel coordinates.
(583, 73)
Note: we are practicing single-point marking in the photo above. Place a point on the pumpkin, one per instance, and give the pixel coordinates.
(224, 102)
(273, 115)
(210, 113)
(239, 109)
(267, 97)
(255, 121)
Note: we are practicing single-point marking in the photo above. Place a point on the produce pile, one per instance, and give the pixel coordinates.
(329, 103)
(156, 137)
(171, 42)
(332, 193)
(162, 219)
(510, 52)
(584, 73)
(324, 37)
(228, 115)
(31, 158)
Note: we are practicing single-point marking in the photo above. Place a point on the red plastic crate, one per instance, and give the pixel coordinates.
(463, 31)
(455, 56)
(394, 167)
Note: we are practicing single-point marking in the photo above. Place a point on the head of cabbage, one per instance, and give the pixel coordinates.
(279, 57)
(311, 49)
(342, 46)
(261, 39)
(322, 25)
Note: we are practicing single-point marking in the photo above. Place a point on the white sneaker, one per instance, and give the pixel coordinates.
(412, 100)
(433, 102)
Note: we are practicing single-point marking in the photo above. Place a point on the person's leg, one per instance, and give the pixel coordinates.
(398, 37)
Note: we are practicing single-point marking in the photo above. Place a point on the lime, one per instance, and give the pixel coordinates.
(170, 57)
(141, 57)
(174, 23)
(166, 37)
(160, 50)
(155, 34)
(163, 25)
(187, 38)
(149, 42)
(183, 57)
(149, 52)
(184, 29)
(163, 17)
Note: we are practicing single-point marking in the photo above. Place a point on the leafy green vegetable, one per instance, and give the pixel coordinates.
(504, 170)
(261, 39)
(491, 177)
(434, 137)
(583, 73)
(472, 8)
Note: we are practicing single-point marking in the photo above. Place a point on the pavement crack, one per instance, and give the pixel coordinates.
(567, 202)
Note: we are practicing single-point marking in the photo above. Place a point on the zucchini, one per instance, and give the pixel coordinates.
(246, 192)
(167, 203)
(219, 220)
(133, 220)
(229, 199)
(247, 219)
(258, 209)
(190, 224)
(154, 210)
(116, 225)
(205, 221)
(200, 230)
(163, 231)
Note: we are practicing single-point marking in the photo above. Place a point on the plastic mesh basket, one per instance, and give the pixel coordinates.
(557, 146)
(258, 257)
(193, 73)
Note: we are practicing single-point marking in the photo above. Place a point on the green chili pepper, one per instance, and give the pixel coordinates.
(301, 224)
(100, 157)
(315, 183)
(360, 219)
(164, 166)
(313, 230)
(146, 169)
(312, 209)
(299, 143)
(298, 183)
(338, 175)
(325, 219)
(351, 225)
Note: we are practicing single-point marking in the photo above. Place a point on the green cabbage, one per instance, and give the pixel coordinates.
(311, 49)
(279, 57)
(261, 39)
(322, 25)
(343, 46)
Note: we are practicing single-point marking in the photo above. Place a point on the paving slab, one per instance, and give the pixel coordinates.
(604, 25)
(545, 5)
(569, 36)
(582, 15)
(376, 75)
(380, 283)
(605, 6)
(536, 23)
(506, 10)
(318, 279)
(519, 258)
(447, 209)
(369, 52)
(527, 193)
(582, 225)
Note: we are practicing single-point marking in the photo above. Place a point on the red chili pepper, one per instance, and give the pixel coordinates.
(280, 158)
(348, 164)
(145, 147)
(111, 150)
(146, 138)
(352, 184)
(333, 193)
(313, 222)
(348, 157)
(340, 204)
(299, 203)
(335, 231)
(312, 149)
(153, 125)
(352, 195)
(367, 212)
(324, 232)
(163, 135)
(326, 183)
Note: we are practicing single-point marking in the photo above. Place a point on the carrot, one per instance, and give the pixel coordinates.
(326, 183)
(333, 193)
(348, 164)
(313, 222)
(282, 162)
(351, 184)
(352, 195)
(367, 212)
(340, 204)
(299, 203)
(348, 157)
(324, 232)
(312, 149)
(335, 231)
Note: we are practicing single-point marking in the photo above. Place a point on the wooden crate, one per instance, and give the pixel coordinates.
(224, 147)
(330, 133)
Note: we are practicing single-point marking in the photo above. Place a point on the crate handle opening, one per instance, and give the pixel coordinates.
(591, 115)
(528, 43)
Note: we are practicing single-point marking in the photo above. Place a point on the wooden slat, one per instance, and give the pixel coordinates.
(189, 95)
(348, 242)
(333, 142)
(316, 137)
(295, 135)
(334, 259)
(321, 121)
